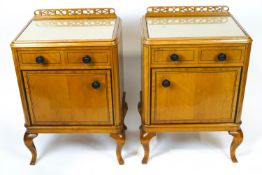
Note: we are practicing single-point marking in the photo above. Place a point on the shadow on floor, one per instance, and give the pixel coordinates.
(92, 142)
(161, 144)
(165, 142)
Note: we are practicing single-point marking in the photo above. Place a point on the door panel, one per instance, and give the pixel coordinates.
(194, 95)
(69, 97)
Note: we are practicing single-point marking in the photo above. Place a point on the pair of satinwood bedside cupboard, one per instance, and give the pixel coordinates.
(69, 66)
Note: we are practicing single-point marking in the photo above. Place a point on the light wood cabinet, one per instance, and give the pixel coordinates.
(69, 97)
(69, 69)
(194, 69)
(194, 95)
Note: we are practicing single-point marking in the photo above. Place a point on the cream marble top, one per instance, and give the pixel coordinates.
(68, 29)
(170, 27)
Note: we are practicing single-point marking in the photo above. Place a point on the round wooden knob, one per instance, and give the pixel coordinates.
(174, 57)
(86, 59)
(96, 85)
(40, 60)
(166, 83)
(222, 57)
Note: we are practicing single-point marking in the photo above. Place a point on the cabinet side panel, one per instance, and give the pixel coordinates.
(243, 84)
(116, 87)
(145, 84)
(117, 77)
(121, 70)
(21, 87)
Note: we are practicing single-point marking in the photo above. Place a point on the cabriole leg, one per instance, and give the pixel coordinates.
(120, 141)
(237, 140)
(145, 138)
(28, 140)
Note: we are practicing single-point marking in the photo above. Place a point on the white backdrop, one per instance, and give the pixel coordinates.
(188, 153)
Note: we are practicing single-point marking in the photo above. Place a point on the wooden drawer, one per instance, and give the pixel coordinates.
(171, 55)
(194, 95)
(69, 97)
(39, 58)
(221, 55)
(88, 57)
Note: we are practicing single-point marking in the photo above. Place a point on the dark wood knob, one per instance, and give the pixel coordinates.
(96, 85)
(174, 57)
(40, 60)
(166, 83)
(86, 59)
(221, 57)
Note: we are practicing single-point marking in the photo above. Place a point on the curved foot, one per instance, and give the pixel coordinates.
(237, 140)
(28, 140)
(120, 140)
(145, 138)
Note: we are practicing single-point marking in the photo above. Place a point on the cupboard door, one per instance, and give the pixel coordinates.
(69, 97)
(194, 95)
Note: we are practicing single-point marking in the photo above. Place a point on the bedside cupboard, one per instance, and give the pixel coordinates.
(69, 67)
(194, 69)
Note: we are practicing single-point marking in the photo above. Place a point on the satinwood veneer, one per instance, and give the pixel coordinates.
(69, 67)
(194, 70)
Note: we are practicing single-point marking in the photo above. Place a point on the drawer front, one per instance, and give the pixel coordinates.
(88, 57)
(222, 55)
(69, 97)
(194, 95)
(173, 55)
(39, 58)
